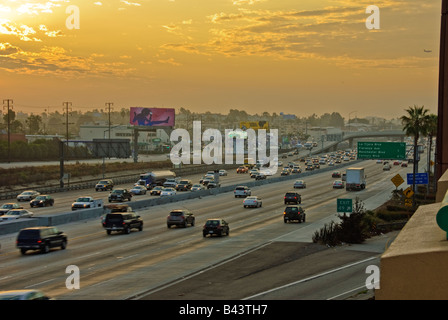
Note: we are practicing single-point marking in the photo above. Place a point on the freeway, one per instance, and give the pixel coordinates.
(143, 264)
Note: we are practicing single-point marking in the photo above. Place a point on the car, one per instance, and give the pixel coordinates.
(338, 184)
(40, 238)
(294, 213)
(184, 185)
(222, 172)
(180, 217)
(336, 174)
(168, 192)
(386, 167)
(292, 197)
(299, 184)
(404, 164)
(30, 294)
(120, 195)
(309, 167)
(103, 185)
(242, 191)
(171, 182)
(122, 222)
(208, 180)
(156, 191)
(285, 172)
(197, 187)
(8, 206)
(260, 176)
(252, 201)
(138, 190)
(242, 169)
(42, 201)
(215, 227)
(397, 163)
(16, 214)
(207, 176)
(253, 173)
(27, 195)
(296, 169)
(316, 165)
(213, 184)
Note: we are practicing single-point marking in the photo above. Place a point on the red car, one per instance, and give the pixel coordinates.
(242, 170)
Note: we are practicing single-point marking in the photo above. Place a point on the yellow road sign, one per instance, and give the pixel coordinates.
(408, 202)
(397, 180)
(408, 192)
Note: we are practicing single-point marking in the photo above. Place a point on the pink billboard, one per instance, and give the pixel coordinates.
(152, 117)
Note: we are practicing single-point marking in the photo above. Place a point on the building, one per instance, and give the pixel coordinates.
(147, 140)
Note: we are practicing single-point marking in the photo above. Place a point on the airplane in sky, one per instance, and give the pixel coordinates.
(424, 50)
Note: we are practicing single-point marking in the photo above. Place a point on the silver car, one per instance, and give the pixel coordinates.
(242, 191)
(16, 214)
(27, 195)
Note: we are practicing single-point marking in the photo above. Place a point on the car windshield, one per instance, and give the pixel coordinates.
(82, 200)
(27, 193)
(7, 206)
(176, 213)
(103, 182)
(118, 191)
(212, 223)
(40, 198)
(13, 213)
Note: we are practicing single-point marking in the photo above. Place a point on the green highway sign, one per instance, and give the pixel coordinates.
(344, 205)
(381, 150)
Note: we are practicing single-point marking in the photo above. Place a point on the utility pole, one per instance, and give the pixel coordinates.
(8, 106)
(109, 104)
(442, 126)
(68, 108)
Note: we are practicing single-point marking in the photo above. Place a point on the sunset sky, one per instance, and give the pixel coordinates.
(293, 56)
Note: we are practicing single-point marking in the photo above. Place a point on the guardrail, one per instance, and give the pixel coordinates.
(7, 227)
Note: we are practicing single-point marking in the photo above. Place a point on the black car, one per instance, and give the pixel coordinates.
(293, 197)
(156, 191)
(181, 218)
(122, 221)
(215, 226)
(294, 213)
(120, 195)
(184, 185)
(42, 201)
(41, 238)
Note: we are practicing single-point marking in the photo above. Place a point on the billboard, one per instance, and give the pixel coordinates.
(255, 125)
(152, 117)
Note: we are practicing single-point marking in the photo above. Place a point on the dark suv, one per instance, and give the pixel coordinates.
(215, 226)
(41, 238)
(184, 185)
(122, 221)
(120, 195)
(294, 213)
(293, 197)
(181, 218)
(42, 201)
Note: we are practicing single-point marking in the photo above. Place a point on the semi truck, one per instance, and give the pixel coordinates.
(355, 179)
(155, 178)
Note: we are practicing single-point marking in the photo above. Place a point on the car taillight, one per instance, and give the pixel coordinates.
(284, 212)
(39, 241)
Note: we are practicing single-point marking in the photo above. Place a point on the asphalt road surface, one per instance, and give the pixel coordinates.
(261, 253)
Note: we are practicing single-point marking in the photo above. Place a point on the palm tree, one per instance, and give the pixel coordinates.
(415, 125)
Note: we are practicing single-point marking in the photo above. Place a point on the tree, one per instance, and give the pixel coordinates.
(34, 122)
(414, 123)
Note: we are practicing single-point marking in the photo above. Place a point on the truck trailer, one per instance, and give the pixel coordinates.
(155, 178)
(355, 179)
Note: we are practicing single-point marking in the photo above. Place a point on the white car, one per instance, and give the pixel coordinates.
(168, 192)
(138, 190)
(27, 195)
(197, 187)
(252, 201)
(16, 214)
(222, 172)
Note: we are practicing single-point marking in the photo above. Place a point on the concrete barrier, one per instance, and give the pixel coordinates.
(84, 214)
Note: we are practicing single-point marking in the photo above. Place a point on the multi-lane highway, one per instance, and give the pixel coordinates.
(140, 264)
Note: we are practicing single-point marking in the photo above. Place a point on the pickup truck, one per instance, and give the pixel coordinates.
(86, 203)
(120, 195)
